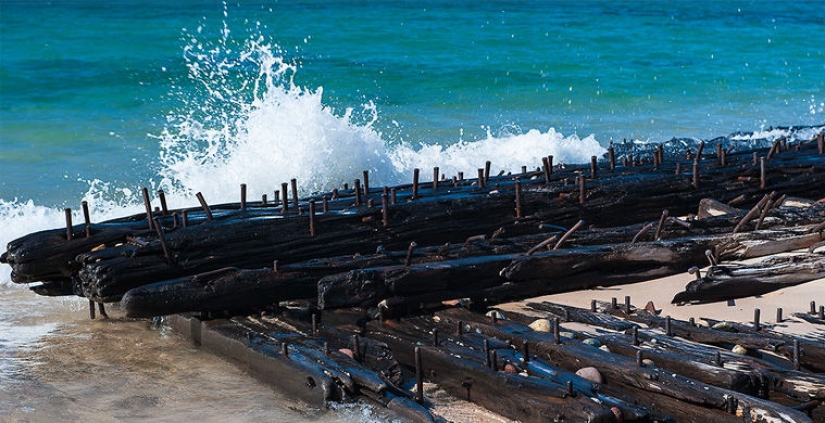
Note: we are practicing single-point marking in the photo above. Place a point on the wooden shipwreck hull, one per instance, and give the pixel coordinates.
(347, 293)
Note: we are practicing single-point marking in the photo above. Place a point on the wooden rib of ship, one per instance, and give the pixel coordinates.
(360, 292)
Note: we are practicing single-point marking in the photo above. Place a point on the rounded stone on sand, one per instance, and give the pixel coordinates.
(738, 349)
(540, 325)
(590, 373)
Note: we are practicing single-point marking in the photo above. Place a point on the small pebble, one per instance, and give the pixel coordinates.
(617, 414)
(495, 313)
(592, 341)
(568, 335)
(510, 369)
(724, 326)
(648, 362)
(591, 374)
(604, 348)
(738, 349)
(347, 352)
(540, 325)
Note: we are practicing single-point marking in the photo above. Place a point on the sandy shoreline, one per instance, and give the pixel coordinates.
(660, 291)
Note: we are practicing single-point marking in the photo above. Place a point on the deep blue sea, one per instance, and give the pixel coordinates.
(101, 98)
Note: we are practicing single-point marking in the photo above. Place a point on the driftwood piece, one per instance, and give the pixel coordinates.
(730, 280)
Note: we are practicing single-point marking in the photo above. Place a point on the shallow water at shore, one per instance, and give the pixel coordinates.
(56, 365)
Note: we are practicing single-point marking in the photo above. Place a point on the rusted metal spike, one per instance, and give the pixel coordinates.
(384, 210)
(546, 166)
(593, 167)
(148, 205)
(204, 206)
(312, 217)
(325, 204)
(357, 190)
(366, 175)
(762, 173)
(487, 172)
(243, 197)
(581, 188)
(779, 315)
(696, 174)
(162, 197)
(641, 232)
(556, 331)
(526, 351)
(659, 228)
(542, 244)
(756, 325)
(294, 183)
(393, 197)
(91, 309)
(263, 200)
(435, 178)
(567, 234)
(481, 178)
(820, 143)
(69, 231)
(518, 198)
(410, 250)
(416, 172)
(285, 197)
(86, 219)
(162, 238)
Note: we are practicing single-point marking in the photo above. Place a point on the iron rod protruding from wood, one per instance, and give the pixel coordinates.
(162, 196)
(69, 231)
(635, 333)
(593, 306)
(87, 221)
(294, 183)
(581, 188)
(627, 304)
(820, 143)
(410, 250)
(284, 197)
(813, 307)
(567, 234)
(416, 173)
(717, 359)
(696, 174)
(357, 190)
(518, 198)
(385, 212)
(779, 315)
(366, 175)
(593, 167)
(285, 349)
(419, 376)
(640, 358)
(487, 173)
(661, 225)
(668, 331)
(204, 206)
(556, 331)
(756, 326)
(314, 324)
(435, 178)
(762, 181)
(312, 217)
(91, 309)
(148, 205)
(480, 177)
(243, 197)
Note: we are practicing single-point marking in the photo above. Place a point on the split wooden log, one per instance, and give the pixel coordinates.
(811, 354)
(731, 280)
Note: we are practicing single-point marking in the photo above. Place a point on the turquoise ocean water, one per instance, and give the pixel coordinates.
(101, 98)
